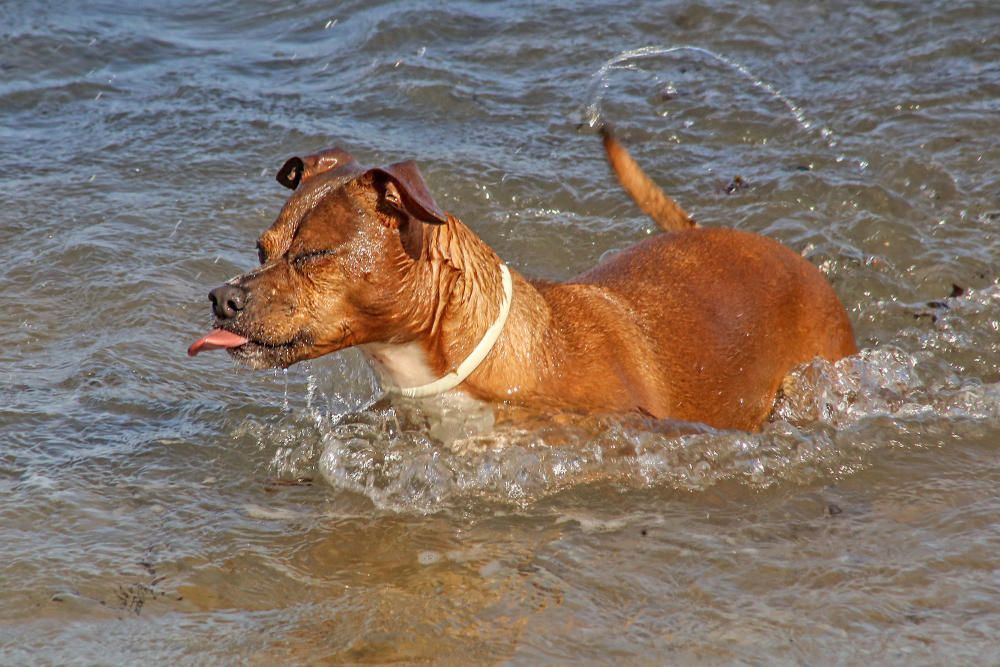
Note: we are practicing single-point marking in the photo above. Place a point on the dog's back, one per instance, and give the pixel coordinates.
(727, 314)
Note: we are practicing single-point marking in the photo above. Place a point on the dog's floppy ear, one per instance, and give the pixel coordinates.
(404, 189)
(298, 169)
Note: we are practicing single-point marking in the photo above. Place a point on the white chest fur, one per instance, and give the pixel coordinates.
(402, 365)
(452, 416)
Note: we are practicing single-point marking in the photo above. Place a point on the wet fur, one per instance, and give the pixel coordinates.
(694, 324)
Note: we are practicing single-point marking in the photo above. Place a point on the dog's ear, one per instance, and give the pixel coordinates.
(404, 189)
(298, 169)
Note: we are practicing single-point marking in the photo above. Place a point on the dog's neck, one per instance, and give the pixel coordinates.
(461, 297)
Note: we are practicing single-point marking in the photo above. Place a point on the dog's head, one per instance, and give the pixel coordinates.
(339, 267)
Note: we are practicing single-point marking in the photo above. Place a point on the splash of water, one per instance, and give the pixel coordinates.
(335, 390)
(830, 417)
(340, 387)
(626, 60)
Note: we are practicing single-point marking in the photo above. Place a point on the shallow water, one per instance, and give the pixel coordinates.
(162, 509)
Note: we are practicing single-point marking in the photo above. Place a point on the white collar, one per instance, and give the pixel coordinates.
(471, 362)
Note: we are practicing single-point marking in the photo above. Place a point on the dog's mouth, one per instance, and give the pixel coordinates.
(217, 339)
(253, 353)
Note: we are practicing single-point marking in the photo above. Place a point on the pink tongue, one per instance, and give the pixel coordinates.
(217, 339)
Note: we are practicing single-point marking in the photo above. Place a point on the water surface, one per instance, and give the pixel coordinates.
(161, 509)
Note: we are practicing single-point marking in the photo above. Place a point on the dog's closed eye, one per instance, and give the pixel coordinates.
(304, 258)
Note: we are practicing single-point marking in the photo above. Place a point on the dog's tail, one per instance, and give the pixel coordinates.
(653, 201)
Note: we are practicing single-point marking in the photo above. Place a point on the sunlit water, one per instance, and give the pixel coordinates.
(160, 509)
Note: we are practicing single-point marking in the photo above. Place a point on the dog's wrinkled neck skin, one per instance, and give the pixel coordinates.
(459, 373)
(460, 281)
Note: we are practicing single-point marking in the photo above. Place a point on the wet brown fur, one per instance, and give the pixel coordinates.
(694, 324)
(650, 199)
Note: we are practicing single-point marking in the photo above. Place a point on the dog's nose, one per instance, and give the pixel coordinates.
(227, 301)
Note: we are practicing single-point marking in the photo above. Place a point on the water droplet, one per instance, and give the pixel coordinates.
(428, 557)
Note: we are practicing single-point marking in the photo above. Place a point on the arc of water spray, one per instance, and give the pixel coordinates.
(599, 84)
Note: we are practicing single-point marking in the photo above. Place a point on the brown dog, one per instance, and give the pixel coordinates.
(695, 324)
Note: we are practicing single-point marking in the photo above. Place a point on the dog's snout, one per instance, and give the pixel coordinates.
(227, 301)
